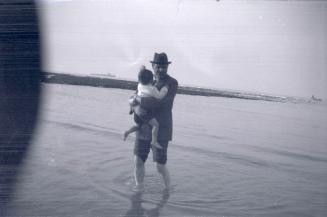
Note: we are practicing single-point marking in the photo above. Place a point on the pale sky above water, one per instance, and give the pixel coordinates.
(276, 47)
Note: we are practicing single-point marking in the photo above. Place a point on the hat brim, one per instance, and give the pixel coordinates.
(167, 63)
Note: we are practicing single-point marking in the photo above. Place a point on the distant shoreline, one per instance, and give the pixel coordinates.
(94, 81)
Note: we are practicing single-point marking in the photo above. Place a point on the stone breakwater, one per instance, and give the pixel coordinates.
(95, 81)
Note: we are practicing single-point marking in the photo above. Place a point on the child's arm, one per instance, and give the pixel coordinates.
(159, 94)
(152, 103)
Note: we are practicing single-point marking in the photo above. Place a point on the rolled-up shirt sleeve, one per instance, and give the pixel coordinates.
(172, 90)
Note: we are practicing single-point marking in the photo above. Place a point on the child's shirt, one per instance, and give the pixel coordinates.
(151, 91)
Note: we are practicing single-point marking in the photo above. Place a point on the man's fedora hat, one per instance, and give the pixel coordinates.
(160, 59)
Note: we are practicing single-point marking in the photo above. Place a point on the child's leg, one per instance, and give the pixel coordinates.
(131, 130)
(155, 129)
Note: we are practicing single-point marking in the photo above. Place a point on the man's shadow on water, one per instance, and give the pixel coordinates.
(136, 208)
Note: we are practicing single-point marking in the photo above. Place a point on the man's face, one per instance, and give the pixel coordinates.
(160, 71)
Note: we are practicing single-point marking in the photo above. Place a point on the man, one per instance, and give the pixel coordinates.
(163, 114)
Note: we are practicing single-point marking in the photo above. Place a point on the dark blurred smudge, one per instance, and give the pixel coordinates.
(20, 90)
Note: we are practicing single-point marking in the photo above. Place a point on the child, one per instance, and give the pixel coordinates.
(145, 89)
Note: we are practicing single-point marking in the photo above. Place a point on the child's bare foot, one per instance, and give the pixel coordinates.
(156, 144)
(125, 135)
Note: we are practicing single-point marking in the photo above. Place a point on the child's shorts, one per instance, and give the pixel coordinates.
(142, 116)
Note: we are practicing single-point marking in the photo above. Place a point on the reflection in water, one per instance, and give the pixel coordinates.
(136, 208)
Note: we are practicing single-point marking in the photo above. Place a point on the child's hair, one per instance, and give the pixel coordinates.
(145, 76)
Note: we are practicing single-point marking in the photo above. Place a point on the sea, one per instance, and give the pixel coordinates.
(229, 157)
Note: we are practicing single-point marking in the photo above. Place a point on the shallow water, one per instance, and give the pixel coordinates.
(229, 157)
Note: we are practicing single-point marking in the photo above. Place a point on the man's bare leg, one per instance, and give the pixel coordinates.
(163, 170)
(139, 172)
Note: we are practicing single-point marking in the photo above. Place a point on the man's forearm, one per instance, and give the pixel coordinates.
(147, 102)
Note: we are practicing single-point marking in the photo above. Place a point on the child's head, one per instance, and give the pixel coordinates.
(145, 76)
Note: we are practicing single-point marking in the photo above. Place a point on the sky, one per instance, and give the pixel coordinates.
(269, 46)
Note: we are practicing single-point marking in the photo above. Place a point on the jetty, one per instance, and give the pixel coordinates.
(112, 82)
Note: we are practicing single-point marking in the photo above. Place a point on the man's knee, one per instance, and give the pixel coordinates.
(153, 122)
(161, 167)
(138, 162)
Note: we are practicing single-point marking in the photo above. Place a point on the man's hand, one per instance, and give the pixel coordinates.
(132, 101)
